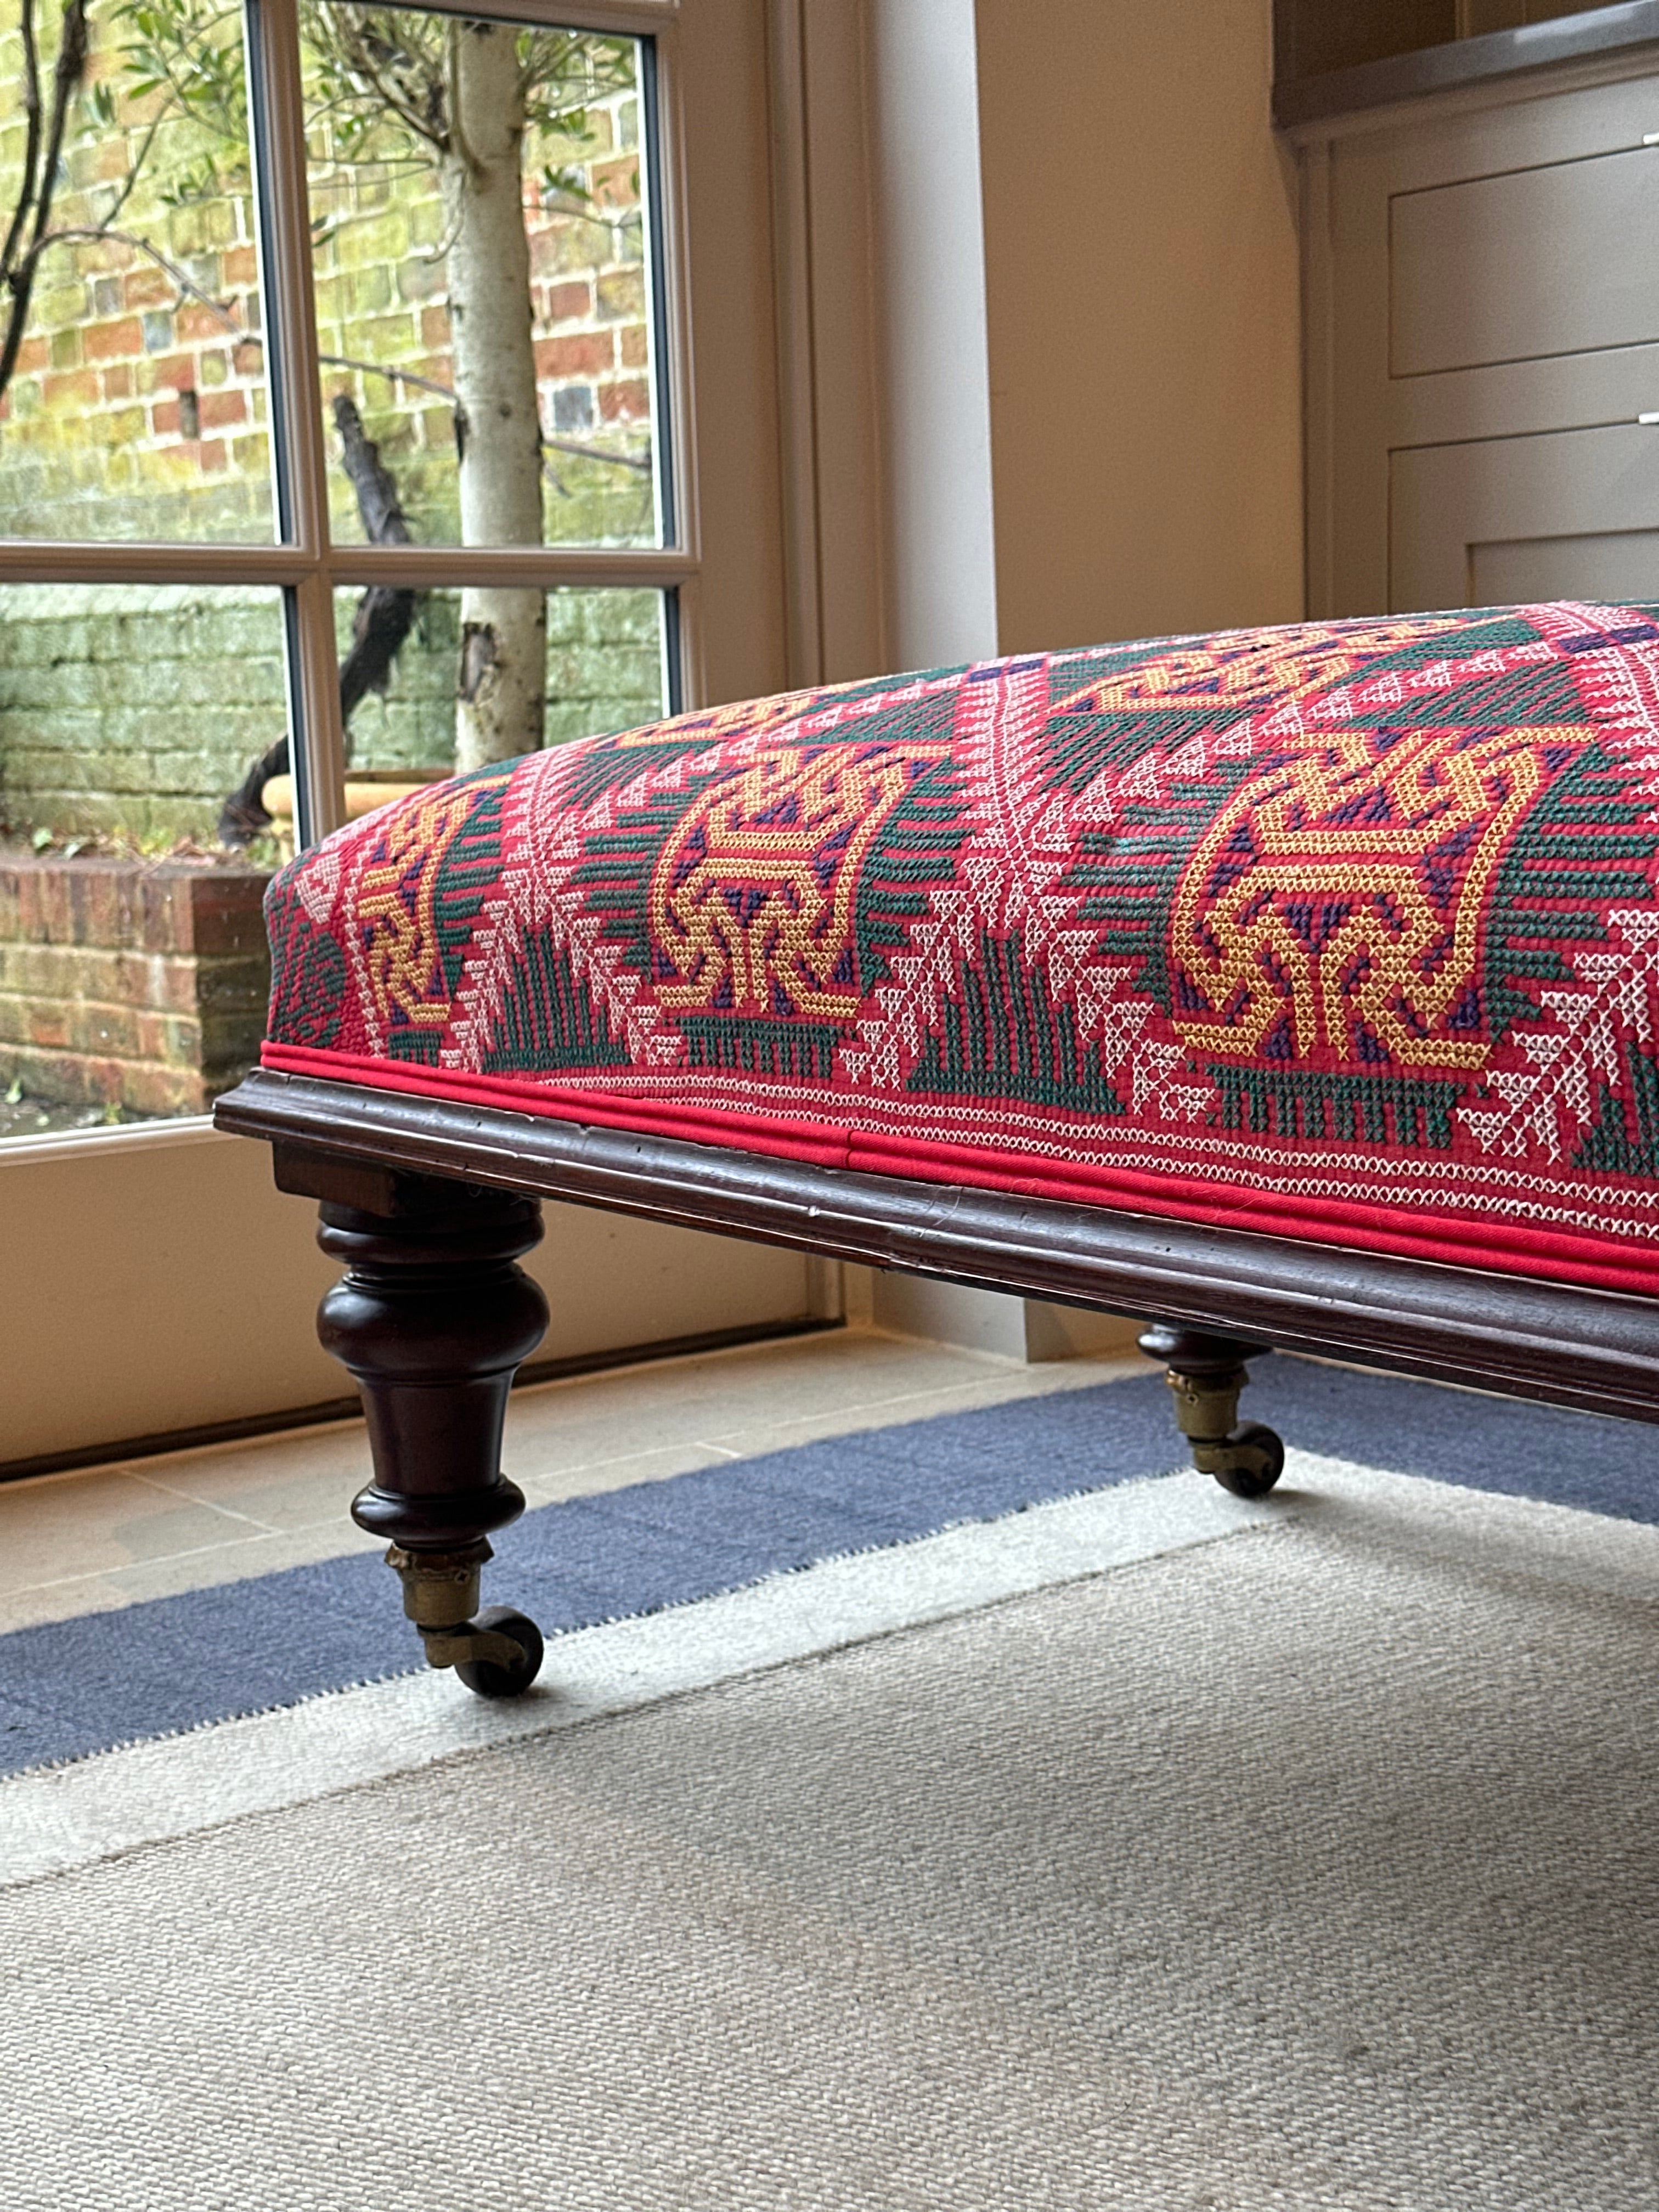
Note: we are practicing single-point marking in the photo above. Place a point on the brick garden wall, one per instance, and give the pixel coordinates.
(131, 984)
(137, 711)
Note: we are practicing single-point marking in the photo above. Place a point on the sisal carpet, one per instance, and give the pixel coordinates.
(1301, 1858)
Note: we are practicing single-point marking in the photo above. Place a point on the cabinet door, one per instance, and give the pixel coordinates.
(1573, 516)
(1482, 335)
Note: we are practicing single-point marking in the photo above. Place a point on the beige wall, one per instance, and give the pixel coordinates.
(171, 1285)
(1143, 305)
(1086, 210)
(1125, 279)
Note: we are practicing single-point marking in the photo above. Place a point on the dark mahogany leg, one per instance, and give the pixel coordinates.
(1205, 1375)
(432, 1317)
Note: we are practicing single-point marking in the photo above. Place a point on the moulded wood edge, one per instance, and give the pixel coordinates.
(1591, 1349)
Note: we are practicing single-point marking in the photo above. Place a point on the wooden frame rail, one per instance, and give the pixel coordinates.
(1594, 1350)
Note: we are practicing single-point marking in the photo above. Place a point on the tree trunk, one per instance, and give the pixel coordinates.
(384, 617)
(500, 706)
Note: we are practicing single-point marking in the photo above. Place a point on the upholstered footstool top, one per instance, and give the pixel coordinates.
(1345, 931)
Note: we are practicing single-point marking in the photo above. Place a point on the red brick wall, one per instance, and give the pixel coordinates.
(141, 984)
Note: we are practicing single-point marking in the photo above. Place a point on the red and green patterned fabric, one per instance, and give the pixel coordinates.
(1345, 931)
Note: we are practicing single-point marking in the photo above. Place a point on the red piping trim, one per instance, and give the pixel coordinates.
(1545, 1256)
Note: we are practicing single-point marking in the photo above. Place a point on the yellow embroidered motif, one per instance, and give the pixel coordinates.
(736, 718)
(753, 895)
(395, 907)
(1337, 921)
(1245, 668)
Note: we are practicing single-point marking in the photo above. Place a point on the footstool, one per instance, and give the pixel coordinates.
(1288, 987)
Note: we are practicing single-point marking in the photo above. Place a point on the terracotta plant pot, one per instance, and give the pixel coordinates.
(366, 789)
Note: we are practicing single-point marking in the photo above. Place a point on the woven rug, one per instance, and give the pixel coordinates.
(1135, 1848)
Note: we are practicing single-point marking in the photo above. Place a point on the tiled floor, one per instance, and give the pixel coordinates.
(106, 1536)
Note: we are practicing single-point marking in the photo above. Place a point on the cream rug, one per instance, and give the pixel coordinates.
(1307, 1858)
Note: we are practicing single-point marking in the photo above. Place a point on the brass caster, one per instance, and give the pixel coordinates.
(496, 1653)
(441, 1588)
(502, 1653)
(1243, 1457)
(1248, 1461)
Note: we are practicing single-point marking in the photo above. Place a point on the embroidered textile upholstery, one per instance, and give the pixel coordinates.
(1347, 930)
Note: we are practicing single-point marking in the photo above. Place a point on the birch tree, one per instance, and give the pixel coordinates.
(500, 688)
(468, 92)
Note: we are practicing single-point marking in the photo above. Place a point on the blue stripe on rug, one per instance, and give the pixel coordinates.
(73, 1687)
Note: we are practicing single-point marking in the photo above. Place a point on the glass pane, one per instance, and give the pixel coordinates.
(133, 969)
(602, 663)
(136, 404)
(478, 196)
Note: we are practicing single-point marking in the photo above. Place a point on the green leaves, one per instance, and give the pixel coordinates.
(377, 87)
(566, 183)
(191, 52)
(200, 181)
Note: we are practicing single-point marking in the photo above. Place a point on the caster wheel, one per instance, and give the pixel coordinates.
(487, 1677)
(1257, 1458)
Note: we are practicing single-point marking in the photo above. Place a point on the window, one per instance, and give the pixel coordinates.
(184, 559)
(339, 448)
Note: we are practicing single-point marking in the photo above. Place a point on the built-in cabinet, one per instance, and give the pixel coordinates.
(1312, 38)
(1482, 366)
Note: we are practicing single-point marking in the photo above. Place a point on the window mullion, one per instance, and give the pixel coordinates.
(428, 567)
(278, 109)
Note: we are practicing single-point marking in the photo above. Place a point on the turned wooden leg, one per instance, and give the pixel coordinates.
(1205, 1375)
(432, 1317)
